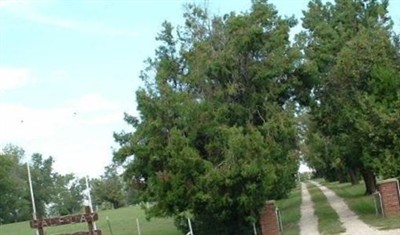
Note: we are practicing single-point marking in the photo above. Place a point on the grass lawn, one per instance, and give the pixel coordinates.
(328, 219)
(363, 206)
(123, 222)
(290, 212)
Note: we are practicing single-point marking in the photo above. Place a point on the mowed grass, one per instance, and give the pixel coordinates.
(362, 205)
(328, 219)
(123, 222)
(290, 212)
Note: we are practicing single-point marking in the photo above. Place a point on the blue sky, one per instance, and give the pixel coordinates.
(69, 70)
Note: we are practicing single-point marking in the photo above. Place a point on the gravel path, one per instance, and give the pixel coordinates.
(308, 221)
(349, 219)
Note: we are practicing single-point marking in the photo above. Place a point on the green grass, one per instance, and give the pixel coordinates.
(123, 222)
(362, 205)
(290, 212)
(328, 219)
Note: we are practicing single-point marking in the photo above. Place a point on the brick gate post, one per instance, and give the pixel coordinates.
(389, 190)
(269, 219)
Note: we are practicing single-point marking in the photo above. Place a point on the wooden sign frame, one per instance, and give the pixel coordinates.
(89, 217)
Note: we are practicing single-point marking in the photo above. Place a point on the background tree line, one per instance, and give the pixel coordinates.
(230, 106)
(55, 194)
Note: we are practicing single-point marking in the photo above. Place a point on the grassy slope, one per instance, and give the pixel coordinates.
(123, 222)
(363, 205)
(290, 212)
(328, 219)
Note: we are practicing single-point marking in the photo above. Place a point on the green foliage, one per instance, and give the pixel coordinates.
(14, 200)
(54, 194)
(67, 197)
(216, 136)
(109, 188)
(42, 182)
(354, 65)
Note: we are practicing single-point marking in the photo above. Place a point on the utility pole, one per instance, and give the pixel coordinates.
(32, 196)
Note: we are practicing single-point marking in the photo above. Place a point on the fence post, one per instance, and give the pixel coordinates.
(138, 226)
(40, 231)
(109, 225)
(190, 227)
(90, 223)
(254, 229)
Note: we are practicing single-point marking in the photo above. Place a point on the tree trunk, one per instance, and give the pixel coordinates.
(353, 176)
(115, 204)
(369, 180)
(342, 176)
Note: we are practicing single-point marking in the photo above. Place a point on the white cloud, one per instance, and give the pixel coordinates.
(94, 102)
(13, 78)
(78, 133)
(107, 118)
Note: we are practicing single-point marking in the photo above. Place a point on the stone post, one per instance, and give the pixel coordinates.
(389, 190)
(269, 220)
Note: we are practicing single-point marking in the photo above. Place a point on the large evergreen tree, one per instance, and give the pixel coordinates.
(216, 136)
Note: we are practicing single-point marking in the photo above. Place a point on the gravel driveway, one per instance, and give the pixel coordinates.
(351, 222)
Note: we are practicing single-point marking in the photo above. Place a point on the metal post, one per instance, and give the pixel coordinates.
(254, 228)
(32, 196)
(109, 225)
(138, 226)
(190, 227)
(278, 213)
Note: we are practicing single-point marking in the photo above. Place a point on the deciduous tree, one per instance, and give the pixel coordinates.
(109, 188)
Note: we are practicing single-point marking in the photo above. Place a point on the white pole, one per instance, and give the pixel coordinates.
(190, 227)
(254, 229)
(138, 226)
(90, 200)
(32, 197)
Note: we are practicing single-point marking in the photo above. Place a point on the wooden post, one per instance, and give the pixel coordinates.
(41, 231)
(90, 223)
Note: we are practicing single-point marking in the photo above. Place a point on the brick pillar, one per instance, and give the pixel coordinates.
(390, 194)
(269, 219)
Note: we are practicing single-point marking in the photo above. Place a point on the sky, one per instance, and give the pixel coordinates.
(69, 70)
